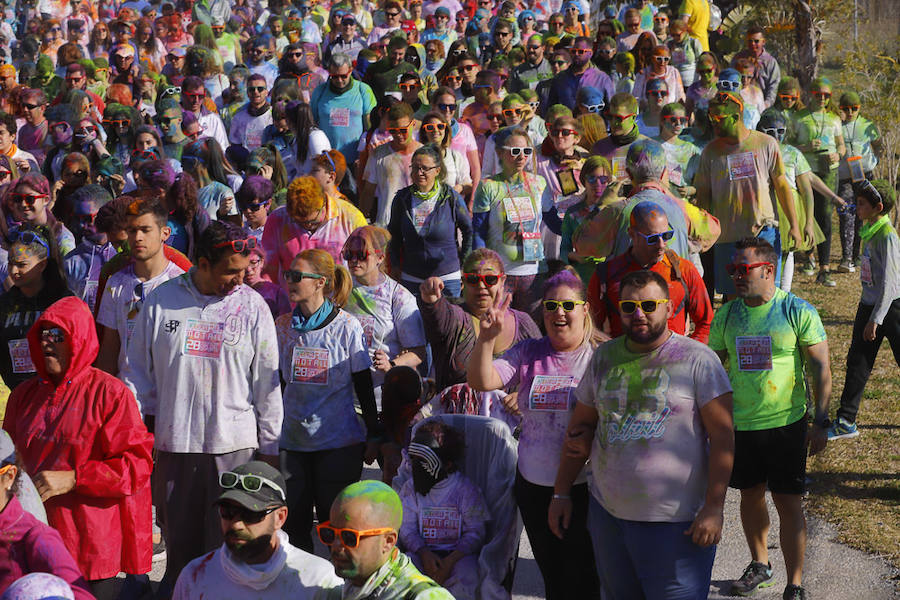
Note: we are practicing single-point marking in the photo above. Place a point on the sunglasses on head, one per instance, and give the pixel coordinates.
(239, 245)
(28, 237)
(628, 307)
(54, 335)
(248, 482)
(433, 127)
(349, 537)
(230, 512)
(567, 305)
(488, 280)
(654, 238)
(298, 276)
(729, 86)
(743, 269)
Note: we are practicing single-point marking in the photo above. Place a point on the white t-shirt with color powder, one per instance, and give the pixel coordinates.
(650, 456)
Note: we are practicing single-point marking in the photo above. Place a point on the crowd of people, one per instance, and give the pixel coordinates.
(249, 247)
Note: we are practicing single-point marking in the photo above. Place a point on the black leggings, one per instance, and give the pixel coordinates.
(567, 565)
(314, 479)
(862, 354)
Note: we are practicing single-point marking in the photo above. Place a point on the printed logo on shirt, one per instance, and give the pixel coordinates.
(519, 209)
(310, 365)
(551, 393)
(171, 326)
(441, 526)
(639, 415)
(618, 167)
(20, 356)
(368, 325)
(754, 352)
(339, 117)
(203, 338)
(741, 166)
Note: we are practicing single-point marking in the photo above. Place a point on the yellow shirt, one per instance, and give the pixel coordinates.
(697, 12)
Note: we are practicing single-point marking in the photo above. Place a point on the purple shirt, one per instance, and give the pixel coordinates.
(566, 84)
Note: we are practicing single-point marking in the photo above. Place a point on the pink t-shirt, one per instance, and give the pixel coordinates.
(283, 238)
(546, 380)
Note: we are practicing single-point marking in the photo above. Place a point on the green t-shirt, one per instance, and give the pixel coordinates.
(823, 126)
(858, 136)
(765, 361)
(794, 164)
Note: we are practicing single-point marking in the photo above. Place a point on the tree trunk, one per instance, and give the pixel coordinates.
(807, 42)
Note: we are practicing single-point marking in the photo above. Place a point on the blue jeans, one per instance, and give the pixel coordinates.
(452, 288)
(638, 560)
(723, 253)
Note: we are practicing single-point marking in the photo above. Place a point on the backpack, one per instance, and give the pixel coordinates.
(675, 260)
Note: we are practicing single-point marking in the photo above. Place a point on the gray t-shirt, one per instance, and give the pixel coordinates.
(650, 454)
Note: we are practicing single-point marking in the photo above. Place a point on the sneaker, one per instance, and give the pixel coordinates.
(809, 269)
(824, 278)
(842, 429)
(756, 576)
(159, 551)
(793, 592)
(846, 266)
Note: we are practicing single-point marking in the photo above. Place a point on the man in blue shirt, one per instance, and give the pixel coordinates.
(341, 106)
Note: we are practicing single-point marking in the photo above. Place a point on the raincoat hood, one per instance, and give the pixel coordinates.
(74, 317)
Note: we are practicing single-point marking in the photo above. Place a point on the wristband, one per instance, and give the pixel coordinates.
(561, 497)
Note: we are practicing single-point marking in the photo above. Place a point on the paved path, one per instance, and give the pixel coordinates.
(833, 571)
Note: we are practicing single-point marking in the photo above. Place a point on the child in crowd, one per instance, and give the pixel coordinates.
(444, 513)
(878, 314)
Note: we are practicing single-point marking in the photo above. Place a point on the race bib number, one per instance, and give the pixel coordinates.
(854, 164)
(519, 209)
(368, 325)
(741, 166)
(618, 166)
(551, 393)
(339, 117)
(20, 356)
(203, 339)
(441, 526)
(310, 365)
(754, 352)
(532, 246)
(865, 270)
(422, 212)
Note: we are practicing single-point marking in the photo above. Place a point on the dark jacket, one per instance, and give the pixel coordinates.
(434, 251)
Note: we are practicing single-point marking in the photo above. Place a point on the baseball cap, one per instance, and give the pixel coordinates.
(179, 52)
(408, 26)
(348, 20)
(442, 10)
(253, 486)
(124, 50)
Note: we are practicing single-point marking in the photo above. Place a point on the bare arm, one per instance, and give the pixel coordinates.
(475, 172)
(786, 199)
(805, 187)
(579, 437)
(482, 376)
(819, 366)
(818, 185)
(108, 355)
(706, 529)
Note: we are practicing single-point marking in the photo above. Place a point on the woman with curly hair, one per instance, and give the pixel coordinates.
(100, 43)
(309, 219)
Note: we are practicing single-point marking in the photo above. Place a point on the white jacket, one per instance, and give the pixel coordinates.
(207, 368)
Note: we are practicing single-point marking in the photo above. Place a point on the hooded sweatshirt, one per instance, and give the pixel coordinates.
(89, 423)
(31, 546)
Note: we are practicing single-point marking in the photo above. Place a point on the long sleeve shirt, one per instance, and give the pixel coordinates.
(452, 516)
(207, 368)
(879, 271)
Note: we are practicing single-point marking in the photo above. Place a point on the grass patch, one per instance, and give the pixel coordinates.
(855, 484)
